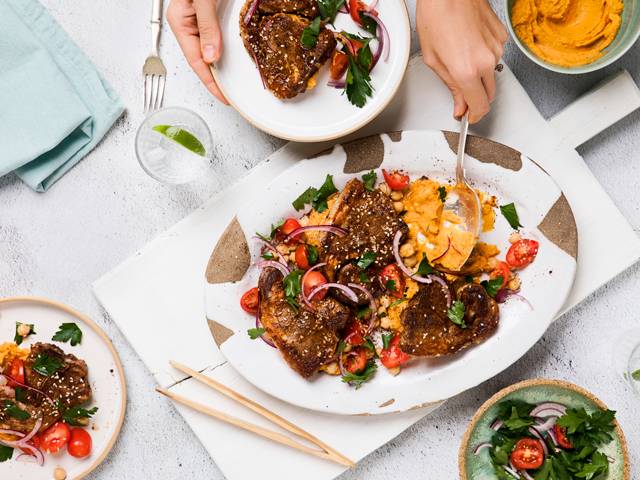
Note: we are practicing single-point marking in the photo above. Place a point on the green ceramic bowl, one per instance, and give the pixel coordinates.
(479, 467)
(627, 36)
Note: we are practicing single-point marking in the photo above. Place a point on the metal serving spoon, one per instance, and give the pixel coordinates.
(463, 200)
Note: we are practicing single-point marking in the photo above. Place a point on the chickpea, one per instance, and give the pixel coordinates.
(407, 250)
(394, 371)
(384, 188)
(397, 195)
(3, 380)
(514, 283)
(398, 206)
(514, 237)
(332, 369)
(411, 261)
(384, 302)
(59, 474)
(385, 323)
(24, 330)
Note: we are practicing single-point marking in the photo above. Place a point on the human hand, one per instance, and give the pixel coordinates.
(462, 41)
(195, 25)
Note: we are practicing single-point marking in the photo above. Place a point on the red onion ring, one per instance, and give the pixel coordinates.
(511, 471)
(33, 390)
(337, 83)
(533, 431)
(346, 42)
(383, 40)
(269, 246)
(525, 475)
(346, 290)
(504, 294)
(251, 11)
(305, 299)
(554, 439)
(372, 304)
(255, 60)
(497, 424)
(413, 276)
(12, 443)
(479, 448)
(32, 433)
(544, 407)
(266, 339)
(546, 425)
(35, 452)
(277, 265)
(322, 228)
(343, 371)
(372, 6)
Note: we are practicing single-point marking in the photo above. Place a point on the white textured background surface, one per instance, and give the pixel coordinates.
(56, 244)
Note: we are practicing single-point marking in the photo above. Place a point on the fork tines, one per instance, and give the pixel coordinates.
(155, 77)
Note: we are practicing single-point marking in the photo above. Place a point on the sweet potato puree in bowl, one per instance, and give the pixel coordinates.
(574, 36)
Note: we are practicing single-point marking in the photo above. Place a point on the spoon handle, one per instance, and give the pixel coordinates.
(462, 144)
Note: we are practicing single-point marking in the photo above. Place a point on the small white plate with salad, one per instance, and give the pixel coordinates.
(326, 111)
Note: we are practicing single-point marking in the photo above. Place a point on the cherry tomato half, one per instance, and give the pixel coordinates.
(55, 437)
(354, 335)
(250, 301)
(289, 225)
(396, 179)
(339, 62)
(393, 357)
(356, 360)
(16, 372)
(561, 436)
(392, 280)
(502, 270)
(522, 253)
(80, 443)
(528, 454)
(311, 281)
(355, 7)
(302, 257)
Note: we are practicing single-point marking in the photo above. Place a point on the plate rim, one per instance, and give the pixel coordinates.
(533, 382)
(356, 126)
(116, 357)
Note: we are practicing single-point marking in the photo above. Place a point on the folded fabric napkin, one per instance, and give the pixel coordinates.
(54, 105)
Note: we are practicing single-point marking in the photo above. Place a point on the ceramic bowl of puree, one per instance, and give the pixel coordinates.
(578, 36)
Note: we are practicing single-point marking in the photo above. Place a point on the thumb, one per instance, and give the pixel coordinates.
(209, 30)
(459, 103)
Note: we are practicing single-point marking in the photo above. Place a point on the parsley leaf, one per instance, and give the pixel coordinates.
(509, 212)
(255, 333)
(363, 312)
(305, 198)
(425, 267)
(365, 56)
(636, 375)
(493, 285)
(309, 37)
(369, 24)
(68, 332)
(19, 338)
(5, 453)
(312, 254)
(397, 302)
(599, 465)
(386, 340)
(20, 394)
(327, 189)
(586, 429)
(368, 344)
(357, 379)
(293, 287)
(358, 85)
(14, 411)
(516, 422)
(329, 9)
(390, 285)
(442, 193)
(365, 260)
(364, 278)
(46, 365)
(76, 416)
(456, 314)
(268, 255)
(369, 180)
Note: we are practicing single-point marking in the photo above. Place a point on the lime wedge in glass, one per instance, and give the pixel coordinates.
(183, 137)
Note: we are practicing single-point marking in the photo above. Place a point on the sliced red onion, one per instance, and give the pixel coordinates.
(411, 275)
(525, 475)
(251, 11)
(548, 409)
(479, 448)
(35, 452)
(305, 299)
(273, 264)
(511, 471)
(3, 380)
(539, 436)
(32, 433)
(372, 6)
(504, 294)
(343, 371)
(269, 246)
(12, 443)
(344, 8)
(372, 304)
(545, 426)
(34, 390)
(383, 39)
(346, 42)
(497, 424)
(346, 290)
(554, 439)
(337, 83)
(255, 60)
(321, 228)
(26, 458)
(264, 337)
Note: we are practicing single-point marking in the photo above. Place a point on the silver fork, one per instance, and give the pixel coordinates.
(155, 75)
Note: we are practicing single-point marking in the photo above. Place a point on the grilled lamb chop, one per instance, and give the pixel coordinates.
(428, 332)
(273, 39)
(67, 387)
(307, 340)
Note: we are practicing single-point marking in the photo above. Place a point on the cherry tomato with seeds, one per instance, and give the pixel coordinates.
(339, 62)
(250, 301)
(16, 372)
(302, 256)
(311, 281)
(80, 443)
(528, 454)
(288, 227)
(55, 437)
(396, 179)
(561, 436)
(522, 253)
(392, 280)
(356, 360)
(354, 334)
(393, 356)
(502, 270)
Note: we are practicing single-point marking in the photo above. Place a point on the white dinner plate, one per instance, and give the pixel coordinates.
(322, 113)
(493, 168)
(105, 376)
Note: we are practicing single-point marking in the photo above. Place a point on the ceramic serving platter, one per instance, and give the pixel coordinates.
(322, 113)
(493, 168)
(105, 375)
(479, 467)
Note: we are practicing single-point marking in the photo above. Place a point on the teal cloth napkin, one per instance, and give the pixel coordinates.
(54, 105)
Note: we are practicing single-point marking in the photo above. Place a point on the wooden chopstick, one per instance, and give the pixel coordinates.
(259, 409)
(263, 432)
